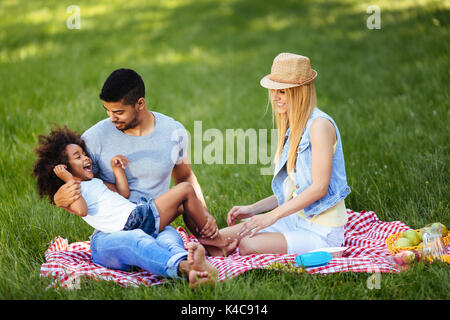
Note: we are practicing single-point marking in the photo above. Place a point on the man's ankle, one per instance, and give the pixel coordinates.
(183, 268)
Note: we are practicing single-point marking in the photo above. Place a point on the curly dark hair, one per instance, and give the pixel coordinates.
(51, 152)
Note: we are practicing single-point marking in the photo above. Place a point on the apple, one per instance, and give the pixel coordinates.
(444, 230)
(403, 242)
(412, 236)
(404, 258)
(421, 232)
(418, 255)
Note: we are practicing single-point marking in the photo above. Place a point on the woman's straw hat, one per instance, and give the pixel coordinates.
(289, 70)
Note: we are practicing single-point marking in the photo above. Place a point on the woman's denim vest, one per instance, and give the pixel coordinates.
(337, 189)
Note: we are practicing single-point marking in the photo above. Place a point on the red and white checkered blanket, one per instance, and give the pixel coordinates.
(366, 251)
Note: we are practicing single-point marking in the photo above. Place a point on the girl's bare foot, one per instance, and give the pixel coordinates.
(197, 277)
(196, 258)
(220, 246)
(222, 251)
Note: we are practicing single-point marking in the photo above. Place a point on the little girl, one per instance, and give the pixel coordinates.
(62, 158)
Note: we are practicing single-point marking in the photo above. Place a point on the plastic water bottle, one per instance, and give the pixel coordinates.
(433, 245)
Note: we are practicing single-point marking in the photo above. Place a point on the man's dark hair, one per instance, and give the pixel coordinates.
(51, 152)
(123, 84)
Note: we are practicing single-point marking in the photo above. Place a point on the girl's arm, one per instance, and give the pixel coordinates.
(111, 186)
(79, 206)
(323, 137)
(118, 164)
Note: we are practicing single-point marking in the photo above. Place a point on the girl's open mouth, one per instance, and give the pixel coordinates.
(88, 167)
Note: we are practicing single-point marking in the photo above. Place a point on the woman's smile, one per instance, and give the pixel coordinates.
(281, 106)
(281, 99)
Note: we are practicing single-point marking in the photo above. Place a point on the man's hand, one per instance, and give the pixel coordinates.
(67, 194)
(61, 172)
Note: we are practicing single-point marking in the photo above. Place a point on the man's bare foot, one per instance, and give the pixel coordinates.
(198, 277)
(220, 246)
(196, 258)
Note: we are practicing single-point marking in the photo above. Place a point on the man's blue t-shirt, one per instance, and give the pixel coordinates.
(152, 157)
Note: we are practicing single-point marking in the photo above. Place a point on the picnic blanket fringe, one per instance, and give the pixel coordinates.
(366, 251)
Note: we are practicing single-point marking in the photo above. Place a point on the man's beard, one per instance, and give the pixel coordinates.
(130, 125)
(133, 123)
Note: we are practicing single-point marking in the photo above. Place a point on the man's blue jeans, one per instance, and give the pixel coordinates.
(122, 250)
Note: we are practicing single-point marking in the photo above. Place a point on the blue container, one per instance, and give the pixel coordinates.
(313, 259)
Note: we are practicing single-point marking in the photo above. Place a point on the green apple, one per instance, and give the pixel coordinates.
(403, 242)
(412, 236)
(421, 235)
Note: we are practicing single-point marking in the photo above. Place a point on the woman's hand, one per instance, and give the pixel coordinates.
(256, 223)
(119, 161)
(239, 212)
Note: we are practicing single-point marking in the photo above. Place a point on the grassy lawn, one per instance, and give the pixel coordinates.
(202, 60)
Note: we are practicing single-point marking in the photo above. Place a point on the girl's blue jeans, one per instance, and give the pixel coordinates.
(123, 250)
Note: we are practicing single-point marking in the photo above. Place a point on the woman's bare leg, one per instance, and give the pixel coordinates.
(264, 242)
(260, 243)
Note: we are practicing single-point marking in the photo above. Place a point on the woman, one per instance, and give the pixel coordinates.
(307, 209)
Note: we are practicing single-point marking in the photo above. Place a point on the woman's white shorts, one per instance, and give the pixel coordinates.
(304, 236)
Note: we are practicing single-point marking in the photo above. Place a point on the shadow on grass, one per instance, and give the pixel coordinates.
(198, 46)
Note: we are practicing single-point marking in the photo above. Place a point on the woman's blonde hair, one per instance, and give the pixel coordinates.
(301, 103)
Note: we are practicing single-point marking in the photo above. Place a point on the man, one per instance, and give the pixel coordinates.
(155, 147)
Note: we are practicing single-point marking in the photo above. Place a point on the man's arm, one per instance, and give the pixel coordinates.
(67, 194)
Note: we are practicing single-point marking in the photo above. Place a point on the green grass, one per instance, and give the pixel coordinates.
(202, 60)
